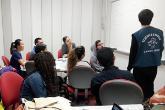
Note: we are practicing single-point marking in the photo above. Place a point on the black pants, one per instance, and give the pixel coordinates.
(145, 78)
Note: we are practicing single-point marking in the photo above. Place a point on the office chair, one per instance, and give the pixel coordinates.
(5, 61)
(120, 91)
(27, 56)
(10, 86)
(30, 66)
(80, 78)
(59, 53)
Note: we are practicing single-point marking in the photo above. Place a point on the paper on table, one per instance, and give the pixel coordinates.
(58, 102)
(49, 103)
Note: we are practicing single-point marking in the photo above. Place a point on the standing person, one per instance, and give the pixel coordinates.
(37, 41)
(93, 60)
(16, 59)
(67, 46)
(44, 81)
(146, 53)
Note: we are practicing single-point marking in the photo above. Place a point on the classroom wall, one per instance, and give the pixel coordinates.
(51, 20)
(124, 20)
(1, 35)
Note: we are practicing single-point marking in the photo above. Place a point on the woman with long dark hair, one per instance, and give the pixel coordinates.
(44, 81)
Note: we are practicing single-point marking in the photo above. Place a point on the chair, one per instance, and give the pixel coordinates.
(5, 61)
(120, 91)
(30, 66)
(59, 53)
(80, 78)
(27, 56)
(10, 85)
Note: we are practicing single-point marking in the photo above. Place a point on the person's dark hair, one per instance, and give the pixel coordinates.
(14, 45)
(74, 56)
(79, 51)
(45, 63)
(36, 40)
(105, 57)
(145, 16)
(96, 43)
(40, 47)
(64, 38)
(12, 48)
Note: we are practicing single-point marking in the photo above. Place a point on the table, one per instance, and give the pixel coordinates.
(61, 64)
(61, 67)
(109, 107)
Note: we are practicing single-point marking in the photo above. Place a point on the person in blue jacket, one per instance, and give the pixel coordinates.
(44, 81)
(146, 53)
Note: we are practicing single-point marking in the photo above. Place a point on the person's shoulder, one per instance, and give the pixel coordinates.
(16, 53)
(138, 31)
(73, 44)
(157, 29)
(64, 45)
(34, 76)
(125, 72)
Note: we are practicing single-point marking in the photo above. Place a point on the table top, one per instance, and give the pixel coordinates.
(109, 107)
(61, 65)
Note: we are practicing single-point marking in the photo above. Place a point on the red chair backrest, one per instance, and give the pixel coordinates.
(5, 61)
(27, 56)
(10, 86)
(59, 53)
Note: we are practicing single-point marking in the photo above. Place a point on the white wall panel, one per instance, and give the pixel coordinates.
(6, 24)
(76, 21)
(106, 18)
(56, 28)
(66, 17)
(1, 35)
(16, 19)
(36, 18)
(51, 20)
(97, 21)
(47, 23)
(86, 27)
(26, 25)
(124, 20)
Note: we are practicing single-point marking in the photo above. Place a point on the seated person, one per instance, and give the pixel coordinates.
(12, 48)
(36, 42)
(158, 97)
(106, 59)
(39, 48)
(67, 46)
(44, 81)
(93, 60)
(16, 59)
(75, 58)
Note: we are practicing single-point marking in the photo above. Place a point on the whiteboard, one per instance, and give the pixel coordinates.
(124, 20)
